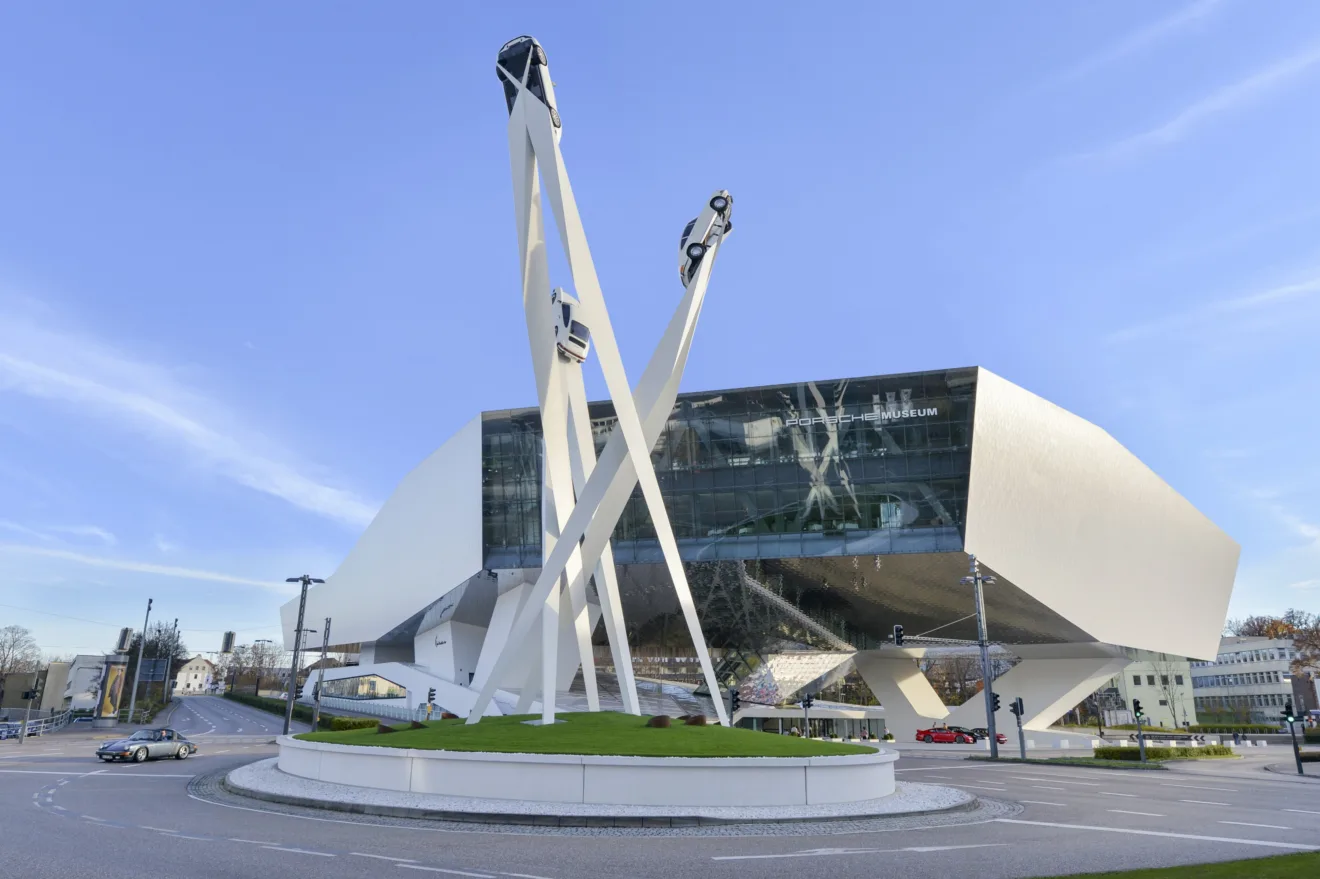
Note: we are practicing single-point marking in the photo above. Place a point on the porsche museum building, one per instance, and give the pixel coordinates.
(812, 518)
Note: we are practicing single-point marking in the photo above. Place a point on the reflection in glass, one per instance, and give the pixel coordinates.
(363, 687)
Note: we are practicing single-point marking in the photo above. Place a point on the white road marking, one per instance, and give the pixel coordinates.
(384, 857)
(1055, 780)
(829, 852)
(1231, 790)
(298, 851)
(91, 818)
(1109, 793)
(1266, 826)
(1202, 803)
(945, 777)
(1163, 833)
(443, 870)
(1040, 803)
(1303, 811)
(252, 841)
(983, 787)
(1046, 787)
(1126, 812)
(157, 829)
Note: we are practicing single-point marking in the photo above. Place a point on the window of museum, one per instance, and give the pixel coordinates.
(1150, 680)
(1164, 680)
(1136, 680)
(1178, 679)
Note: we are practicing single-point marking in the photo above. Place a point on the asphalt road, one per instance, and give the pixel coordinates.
(66, 815)
(205, 716)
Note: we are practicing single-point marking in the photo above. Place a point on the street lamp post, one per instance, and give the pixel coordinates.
(320, 676)
(257, 666)
(137, 672)
(306, 580)
(976, 580)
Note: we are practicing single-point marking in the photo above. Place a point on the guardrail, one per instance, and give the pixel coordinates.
(41, 726)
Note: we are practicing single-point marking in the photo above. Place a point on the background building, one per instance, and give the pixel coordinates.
(812, 518)
(1164, 688)
(196, 676)
(1247, 682)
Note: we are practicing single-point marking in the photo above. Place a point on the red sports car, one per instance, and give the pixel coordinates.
(946, 735)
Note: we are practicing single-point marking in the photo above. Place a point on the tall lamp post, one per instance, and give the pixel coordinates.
(258, 667)
(306, 580)
(320, 675)
(137, 671)
(976, 580)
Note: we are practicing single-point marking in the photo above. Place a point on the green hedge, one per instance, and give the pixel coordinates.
(1230, 728)
(1312, 736)
(303, 712)
(1311, 756)
(1155, 753)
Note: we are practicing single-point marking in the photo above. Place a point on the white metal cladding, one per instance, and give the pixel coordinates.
(1067, 514)
(425, 540)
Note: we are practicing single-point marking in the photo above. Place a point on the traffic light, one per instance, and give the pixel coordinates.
(1136, 709)
(125, 639)
(807, 702)
(1288, 715)
(430, 696)
(994, 701)
(1016, 707)
(898, 636)
(227, 643)
(735, 702)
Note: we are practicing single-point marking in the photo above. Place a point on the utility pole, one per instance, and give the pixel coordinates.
(137, 672)
(1141, 735)
(807, 702)
(1290, 719)
(320, 677)
(259, 664)
(168, 649)
(976, 579)
(306, 580)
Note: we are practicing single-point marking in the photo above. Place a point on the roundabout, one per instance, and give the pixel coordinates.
(588, 767)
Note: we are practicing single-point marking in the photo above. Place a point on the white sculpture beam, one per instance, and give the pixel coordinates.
(569, 459)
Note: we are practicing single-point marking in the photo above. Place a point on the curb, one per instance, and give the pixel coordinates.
(1291, 769)
(561, 820)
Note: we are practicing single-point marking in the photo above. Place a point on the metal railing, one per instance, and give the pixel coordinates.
(374, 709)
(43, 725)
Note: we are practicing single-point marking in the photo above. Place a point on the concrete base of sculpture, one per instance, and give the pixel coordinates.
(592, 780)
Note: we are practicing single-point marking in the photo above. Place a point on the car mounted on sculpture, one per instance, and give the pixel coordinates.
(698, 235)
(517, 56)
(946, 735)
(147, 744)
(572, 338)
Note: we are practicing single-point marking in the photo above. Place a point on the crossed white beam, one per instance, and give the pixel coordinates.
(576, 542)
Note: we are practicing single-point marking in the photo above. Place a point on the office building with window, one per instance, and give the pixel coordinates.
(197, 676)
(1162, 685)
(812, 518)
(1249, 681)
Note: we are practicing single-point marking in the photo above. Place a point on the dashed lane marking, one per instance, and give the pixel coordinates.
(1294, 846)
(1231, 790)
(828, 852)
(1202, 803)
(298, 851)
(157, 829)
(1047, 787)
(253, 841)
(1266, 826)
(1302, 811)
(443, 870)
(524, 875)
(384, 858)
(1109, 793)
(1146, 814)
(1055, 780)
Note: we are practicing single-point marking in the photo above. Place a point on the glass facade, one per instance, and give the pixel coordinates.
(850, 467)
(364, 687)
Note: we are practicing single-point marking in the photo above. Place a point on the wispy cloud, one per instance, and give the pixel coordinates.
(1305, 584)
(94, 380)
(1141, 39)
(87, 531)
(1236, 96)
(164, 546)
(16, 528)
(1275, 296)
(138, 567)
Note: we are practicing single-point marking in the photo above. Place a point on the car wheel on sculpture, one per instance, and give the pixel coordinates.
(696, 251)
(719, 203)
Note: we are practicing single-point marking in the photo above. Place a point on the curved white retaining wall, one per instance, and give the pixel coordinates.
(616, 781)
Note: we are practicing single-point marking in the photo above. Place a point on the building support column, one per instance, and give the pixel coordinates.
(1049, 687)
(909, 701)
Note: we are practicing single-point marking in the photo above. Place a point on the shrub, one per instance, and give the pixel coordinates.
(1311, 756)
(660, 721)
(342, 723)
(695, 720)
(1311, 736)
(1158, 753)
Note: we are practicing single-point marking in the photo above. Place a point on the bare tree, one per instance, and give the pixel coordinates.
(1172, 684)
(19, 652)
(955, 676)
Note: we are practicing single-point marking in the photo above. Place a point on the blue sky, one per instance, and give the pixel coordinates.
(258, 260)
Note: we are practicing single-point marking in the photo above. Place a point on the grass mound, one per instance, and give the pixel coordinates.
(605, 733)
